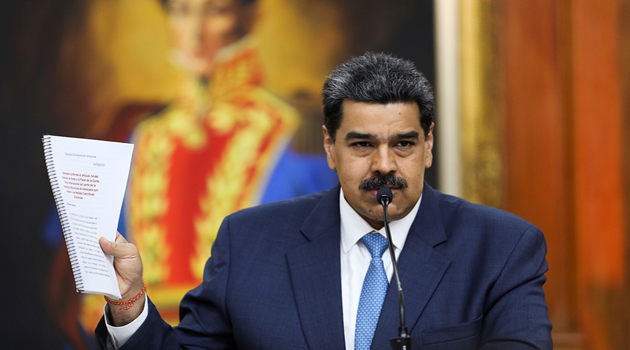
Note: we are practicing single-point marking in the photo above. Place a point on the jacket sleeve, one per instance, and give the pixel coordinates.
(516, 312)
(204, 321)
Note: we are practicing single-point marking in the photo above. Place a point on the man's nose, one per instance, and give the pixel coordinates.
(383, 161)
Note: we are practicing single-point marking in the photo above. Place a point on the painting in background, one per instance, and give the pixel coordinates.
(221, 98)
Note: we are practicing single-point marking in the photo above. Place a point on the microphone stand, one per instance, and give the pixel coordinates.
(403, 341)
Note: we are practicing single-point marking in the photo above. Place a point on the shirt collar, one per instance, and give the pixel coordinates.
(353, 226)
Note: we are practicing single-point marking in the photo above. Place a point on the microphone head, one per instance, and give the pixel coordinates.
(384, 195)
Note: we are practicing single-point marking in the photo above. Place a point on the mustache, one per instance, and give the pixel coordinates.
(374, 183)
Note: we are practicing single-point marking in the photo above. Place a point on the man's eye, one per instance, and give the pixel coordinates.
(361, 144)
(405, 144)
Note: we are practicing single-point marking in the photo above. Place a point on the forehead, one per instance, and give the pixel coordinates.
(380, 119)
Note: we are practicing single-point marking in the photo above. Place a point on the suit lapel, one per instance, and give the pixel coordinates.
(421, 268)
(316, 276)
(316, 273)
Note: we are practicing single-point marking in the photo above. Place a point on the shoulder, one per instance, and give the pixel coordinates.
(482, 240)
(466, 220)
(290, 212)
(451, 206)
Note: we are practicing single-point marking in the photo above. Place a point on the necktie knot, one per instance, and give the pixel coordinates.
(375, 243)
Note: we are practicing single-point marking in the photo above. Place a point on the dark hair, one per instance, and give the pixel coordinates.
(376, 78)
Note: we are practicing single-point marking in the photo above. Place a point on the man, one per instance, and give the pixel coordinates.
(307, 273)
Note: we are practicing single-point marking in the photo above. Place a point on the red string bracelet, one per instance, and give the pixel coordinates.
(129, 303)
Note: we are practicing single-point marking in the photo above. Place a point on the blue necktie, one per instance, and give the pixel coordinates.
(372, 293)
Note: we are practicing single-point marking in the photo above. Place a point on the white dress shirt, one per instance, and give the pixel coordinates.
(355, 258)
(355, 261)
(118, 336)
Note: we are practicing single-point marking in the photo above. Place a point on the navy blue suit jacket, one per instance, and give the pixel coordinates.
(472, 277)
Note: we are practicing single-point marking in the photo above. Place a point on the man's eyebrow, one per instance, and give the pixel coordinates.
(407, 135)
(353, 135)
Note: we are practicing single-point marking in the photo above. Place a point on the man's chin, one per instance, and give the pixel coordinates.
(374, 221)
(394, 212)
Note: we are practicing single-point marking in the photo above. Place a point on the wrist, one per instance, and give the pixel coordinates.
(126, 304)
(128, 309)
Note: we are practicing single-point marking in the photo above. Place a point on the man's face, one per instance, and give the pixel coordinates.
(200, 28)
(377, 140)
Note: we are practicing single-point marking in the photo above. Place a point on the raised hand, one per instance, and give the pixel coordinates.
(128, 266)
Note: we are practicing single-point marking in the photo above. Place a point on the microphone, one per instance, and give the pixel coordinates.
(403, 341)
(384, 196)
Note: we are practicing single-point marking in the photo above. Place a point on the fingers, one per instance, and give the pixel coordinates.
(127, 264)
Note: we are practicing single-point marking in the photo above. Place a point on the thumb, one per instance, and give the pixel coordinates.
(120, 249)
(107, 246)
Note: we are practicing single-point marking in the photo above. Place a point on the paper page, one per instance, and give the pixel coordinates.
(91, 181)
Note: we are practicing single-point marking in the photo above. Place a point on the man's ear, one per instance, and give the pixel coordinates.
(329, 146)
(428, 147)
